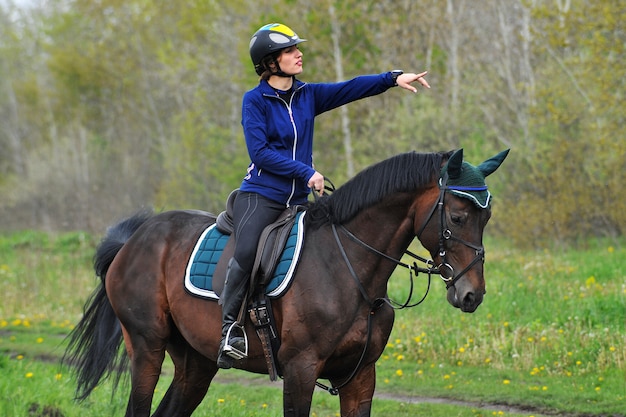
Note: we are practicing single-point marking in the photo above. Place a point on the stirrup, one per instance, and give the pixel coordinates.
(232, 351)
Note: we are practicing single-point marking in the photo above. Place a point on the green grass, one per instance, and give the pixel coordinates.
(550, 337)
(31, 386)
(44, 276)
(551, 333)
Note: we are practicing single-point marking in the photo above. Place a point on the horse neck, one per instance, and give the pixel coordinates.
(388, 228)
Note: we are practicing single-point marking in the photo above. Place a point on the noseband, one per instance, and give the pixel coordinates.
(446, 271)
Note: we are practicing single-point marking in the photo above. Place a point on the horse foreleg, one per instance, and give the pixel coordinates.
(193, 374)
(298, 386)
(356, 397)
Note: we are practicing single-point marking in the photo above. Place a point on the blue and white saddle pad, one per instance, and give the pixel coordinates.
(209, 248)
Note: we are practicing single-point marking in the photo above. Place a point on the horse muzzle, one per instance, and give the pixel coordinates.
(465, 299)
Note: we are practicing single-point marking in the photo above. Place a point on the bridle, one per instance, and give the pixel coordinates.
(445, 270)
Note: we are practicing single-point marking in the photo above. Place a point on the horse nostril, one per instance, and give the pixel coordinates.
(469, 299)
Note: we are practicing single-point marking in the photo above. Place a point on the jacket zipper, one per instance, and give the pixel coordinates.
(295, 141)
(294, 148)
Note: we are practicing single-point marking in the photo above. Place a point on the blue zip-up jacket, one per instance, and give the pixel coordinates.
(279, 134)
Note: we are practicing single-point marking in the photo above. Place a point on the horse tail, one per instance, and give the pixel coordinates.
(94, 344)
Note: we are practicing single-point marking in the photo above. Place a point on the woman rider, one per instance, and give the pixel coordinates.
(278, 117)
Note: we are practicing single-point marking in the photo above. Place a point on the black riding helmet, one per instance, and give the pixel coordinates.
(269, 40)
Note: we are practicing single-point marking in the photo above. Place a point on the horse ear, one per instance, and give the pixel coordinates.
(491, 164)
(454, 164)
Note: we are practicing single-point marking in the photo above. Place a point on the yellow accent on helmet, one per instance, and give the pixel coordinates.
(279, 27)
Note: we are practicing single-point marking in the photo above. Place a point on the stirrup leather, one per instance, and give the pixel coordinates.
(232, 351)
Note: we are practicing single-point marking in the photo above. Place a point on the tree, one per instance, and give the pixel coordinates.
(575, 168)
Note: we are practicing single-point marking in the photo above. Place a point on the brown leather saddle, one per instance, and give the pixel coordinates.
(271, 245)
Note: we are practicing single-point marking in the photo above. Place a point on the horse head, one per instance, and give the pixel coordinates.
(454, 230)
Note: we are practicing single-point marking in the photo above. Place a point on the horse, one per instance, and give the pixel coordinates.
(333, 321)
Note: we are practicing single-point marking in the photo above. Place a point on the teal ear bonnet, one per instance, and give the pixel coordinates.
(468, 181)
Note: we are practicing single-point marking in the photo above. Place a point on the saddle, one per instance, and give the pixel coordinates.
(271, 244)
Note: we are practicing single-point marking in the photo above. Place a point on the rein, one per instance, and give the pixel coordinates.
(430, 269)
(375, 304)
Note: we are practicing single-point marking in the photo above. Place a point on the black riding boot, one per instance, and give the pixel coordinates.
(232, 297)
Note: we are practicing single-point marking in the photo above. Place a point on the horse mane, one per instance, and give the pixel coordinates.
(401, 173)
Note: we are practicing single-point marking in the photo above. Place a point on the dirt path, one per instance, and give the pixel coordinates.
(477, 405)
(507, 408)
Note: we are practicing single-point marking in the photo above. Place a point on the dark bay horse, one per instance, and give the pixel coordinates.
(333, 322)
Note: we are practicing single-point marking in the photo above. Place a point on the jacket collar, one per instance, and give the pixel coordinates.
(267, 89)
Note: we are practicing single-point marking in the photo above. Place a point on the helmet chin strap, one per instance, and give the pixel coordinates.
(277, 70)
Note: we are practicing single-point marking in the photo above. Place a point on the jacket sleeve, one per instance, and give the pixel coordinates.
(259, 149)
(329, 96)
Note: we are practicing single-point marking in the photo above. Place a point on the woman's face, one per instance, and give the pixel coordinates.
(290, 60)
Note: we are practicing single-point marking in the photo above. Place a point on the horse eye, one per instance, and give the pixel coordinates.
(456, 219)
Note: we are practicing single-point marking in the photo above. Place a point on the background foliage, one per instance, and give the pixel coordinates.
(110, 105)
